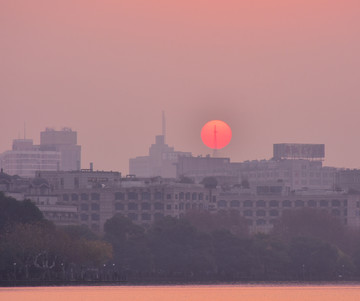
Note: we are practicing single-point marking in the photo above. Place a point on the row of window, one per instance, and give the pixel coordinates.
(188, 206)
(275, 213)
(86, 217)
(285, 203)
(60, 215)
(144, 216)
(93, 207)
(221, 203)
(157, 206)
(83, 197)
(142, 206)
(287, 175)
(158, 196)
(136, 196)
(94, 227)
(262, 222)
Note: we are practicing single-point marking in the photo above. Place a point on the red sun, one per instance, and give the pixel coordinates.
(216, 134)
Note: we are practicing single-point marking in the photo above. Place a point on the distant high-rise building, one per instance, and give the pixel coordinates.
(161, 161)
(299, 166)
(58, 150)
(25, 159)
(65, 142)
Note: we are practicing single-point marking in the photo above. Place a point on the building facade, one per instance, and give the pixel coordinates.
(161, 161)
(297, 169)
(80, 179)
(65, 142)
(262, 209)
(295, 173)
(25, 159)
(348, 180)
(143, 200)
(91, 198)
(57, 151)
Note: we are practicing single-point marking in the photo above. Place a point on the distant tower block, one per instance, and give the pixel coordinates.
(65, 142)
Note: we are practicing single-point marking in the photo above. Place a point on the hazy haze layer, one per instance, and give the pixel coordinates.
(275, 71)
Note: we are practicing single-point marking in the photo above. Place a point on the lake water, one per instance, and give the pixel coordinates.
(184, 293)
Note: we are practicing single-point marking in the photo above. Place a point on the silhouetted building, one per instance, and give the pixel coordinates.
(287, 166)
(197, 168)
(264, 206)
(25, 159)
(295, 173)
(349, 180)
(80, 179)
(161, 161)
(65, 142)
(202, 166)
(299, 151)
(57, 151)
(90, 198)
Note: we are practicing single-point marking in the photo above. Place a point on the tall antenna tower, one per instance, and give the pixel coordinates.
(164, 126)
(215, 142)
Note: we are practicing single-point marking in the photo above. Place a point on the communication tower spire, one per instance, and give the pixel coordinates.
(215, 142)
(164, 126)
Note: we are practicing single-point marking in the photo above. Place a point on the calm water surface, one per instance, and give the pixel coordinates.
(184, 293)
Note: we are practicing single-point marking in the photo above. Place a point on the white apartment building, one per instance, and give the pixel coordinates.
(58, 150)
(25, 159)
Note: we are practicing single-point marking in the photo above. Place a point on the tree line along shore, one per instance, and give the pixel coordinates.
(305, 245)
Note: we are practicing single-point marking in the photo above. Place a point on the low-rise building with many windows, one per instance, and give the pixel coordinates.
(142, 202)
(145, 200)
(262, 210)
(100, 195)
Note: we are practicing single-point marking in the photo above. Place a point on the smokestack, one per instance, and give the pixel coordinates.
(163, 126)
(91, 166)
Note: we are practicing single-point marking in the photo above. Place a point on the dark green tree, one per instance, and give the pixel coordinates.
(313, 259)
(232, 256)
(129, 244)
(208, 222)
(313, 223)
(80, 232)
(270, 258)
(209, 182)
(178, 249)
(120, 228)
(13, 211)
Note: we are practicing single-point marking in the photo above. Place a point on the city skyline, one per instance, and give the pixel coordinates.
(192, 145)
(275, 72)
(218, 154)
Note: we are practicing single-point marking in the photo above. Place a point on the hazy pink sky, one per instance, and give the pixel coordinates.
(275, 71)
